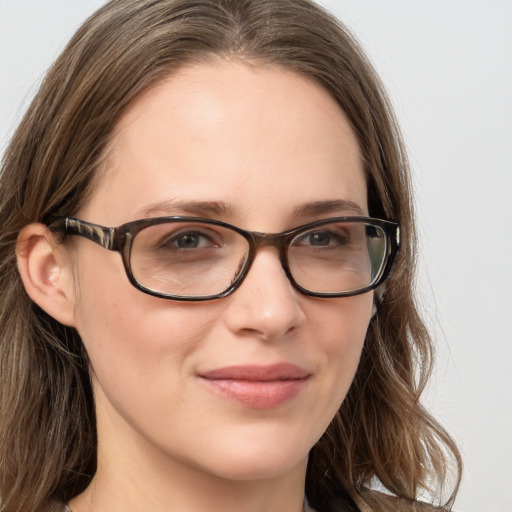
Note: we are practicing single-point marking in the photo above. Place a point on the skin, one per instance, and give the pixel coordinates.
(265, 142)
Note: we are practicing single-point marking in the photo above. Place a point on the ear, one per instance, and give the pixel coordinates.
(46, 272)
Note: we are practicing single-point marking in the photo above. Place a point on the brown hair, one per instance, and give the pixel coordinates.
(47, 419)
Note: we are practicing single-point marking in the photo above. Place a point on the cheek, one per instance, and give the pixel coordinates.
(340, 326)
(131, 336)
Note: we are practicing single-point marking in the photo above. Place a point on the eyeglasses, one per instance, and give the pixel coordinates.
(193, 259)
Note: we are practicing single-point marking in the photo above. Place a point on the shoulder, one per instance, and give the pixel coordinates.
(379, 502)
(375, 501)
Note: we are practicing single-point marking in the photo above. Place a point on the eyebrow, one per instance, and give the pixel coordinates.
(331, 206)
(222, 209)
(195, 208)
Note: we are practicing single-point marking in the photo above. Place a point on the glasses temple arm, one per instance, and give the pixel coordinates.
(106, 237)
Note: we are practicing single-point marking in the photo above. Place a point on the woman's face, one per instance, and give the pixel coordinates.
(196, 384)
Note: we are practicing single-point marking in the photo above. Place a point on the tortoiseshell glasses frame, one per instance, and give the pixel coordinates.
(317, 254)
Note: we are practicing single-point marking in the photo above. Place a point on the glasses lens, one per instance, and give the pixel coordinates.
(188, 259)
(338, 257)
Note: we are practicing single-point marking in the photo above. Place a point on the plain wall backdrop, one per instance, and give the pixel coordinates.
(448, 68)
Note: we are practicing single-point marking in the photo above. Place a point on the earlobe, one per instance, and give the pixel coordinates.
(45, 272)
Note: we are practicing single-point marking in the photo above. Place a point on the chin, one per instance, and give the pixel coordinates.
(265, 467)
(257, 458)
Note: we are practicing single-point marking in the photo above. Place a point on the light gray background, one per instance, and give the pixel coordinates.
(448, 68)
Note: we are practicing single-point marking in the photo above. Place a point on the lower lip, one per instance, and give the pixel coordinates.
(257, 394)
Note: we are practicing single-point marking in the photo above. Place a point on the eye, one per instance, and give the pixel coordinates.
(189, 240)
(322, 238)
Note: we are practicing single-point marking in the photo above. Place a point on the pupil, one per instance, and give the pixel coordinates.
(187, 241)
(320, 238)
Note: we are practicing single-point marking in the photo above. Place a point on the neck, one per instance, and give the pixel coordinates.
(146, 477)
(110, 495)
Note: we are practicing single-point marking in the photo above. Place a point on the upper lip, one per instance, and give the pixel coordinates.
(257, 373)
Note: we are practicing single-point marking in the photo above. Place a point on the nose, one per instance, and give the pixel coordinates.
(265, 305)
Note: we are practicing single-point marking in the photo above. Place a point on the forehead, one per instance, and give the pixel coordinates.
(255, 138)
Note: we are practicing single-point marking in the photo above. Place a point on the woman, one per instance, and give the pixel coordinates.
(250, 347)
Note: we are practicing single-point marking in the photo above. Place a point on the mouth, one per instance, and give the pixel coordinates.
(257, 387)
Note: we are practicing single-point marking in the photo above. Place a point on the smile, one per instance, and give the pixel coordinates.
(257, 387)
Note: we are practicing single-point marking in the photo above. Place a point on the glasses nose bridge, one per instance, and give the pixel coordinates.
(258, 240)
(277, 240)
